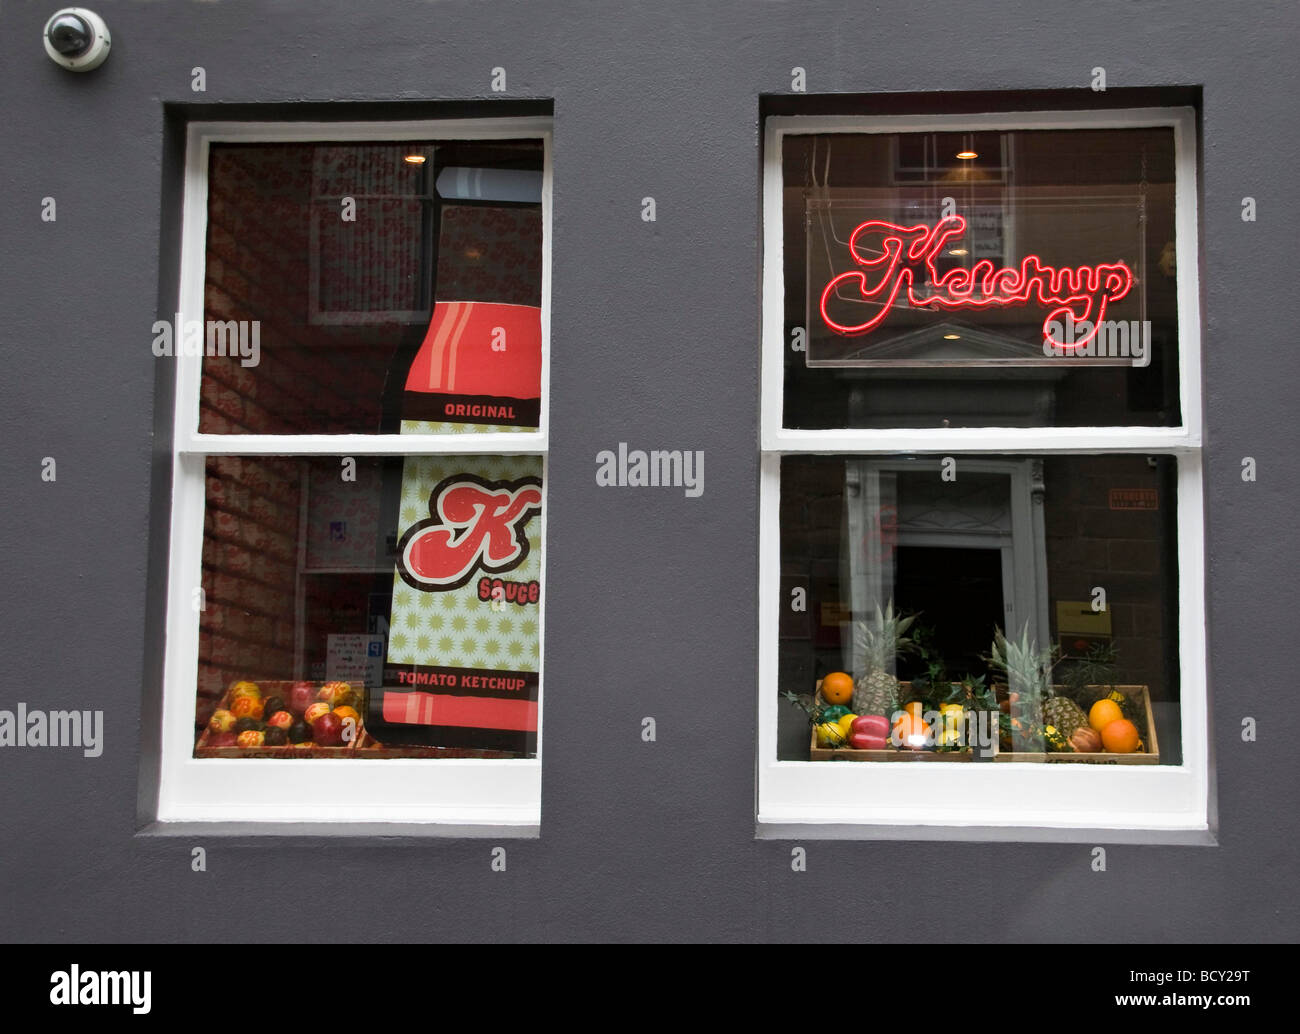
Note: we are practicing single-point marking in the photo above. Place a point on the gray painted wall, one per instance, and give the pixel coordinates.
(650, 599)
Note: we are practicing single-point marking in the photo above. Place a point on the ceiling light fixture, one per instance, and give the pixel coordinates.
(967, 155)
(414, 159)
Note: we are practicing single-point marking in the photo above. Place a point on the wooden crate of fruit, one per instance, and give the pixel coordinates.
(1139, 700)
(847, 753)
(341, 735)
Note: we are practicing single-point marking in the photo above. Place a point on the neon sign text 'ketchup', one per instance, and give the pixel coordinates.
(908, 254)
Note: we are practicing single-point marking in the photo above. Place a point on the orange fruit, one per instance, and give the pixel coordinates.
(915, 709)
(910, 732)
(247, 707)
(837, 688)
(1103, 713)
(1120, 736)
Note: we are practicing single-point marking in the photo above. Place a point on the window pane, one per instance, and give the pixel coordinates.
(1030, 283)
(912, 566)
(414, 581)
(351, 287)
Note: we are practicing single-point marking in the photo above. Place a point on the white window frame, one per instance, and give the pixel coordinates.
(501, 795)
(964, 801)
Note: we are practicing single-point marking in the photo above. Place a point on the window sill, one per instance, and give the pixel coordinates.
(387, 831)
(1147, 804)
(783, 830)
(328, 797)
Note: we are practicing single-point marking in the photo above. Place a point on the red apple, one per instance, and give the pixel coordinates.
(327, 730)
(301, 696)
(865, 741)
(871, 725)
(223, 739)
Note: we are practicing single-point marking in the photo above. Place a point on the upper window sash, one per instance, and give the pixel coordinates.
(200, 136)
(776, 437)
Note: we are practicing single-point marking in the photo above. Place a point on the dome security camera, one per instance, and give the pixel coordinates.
(77, 39)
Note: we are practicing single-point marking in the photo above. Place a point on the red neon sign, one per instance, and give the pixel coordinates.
(908, 253)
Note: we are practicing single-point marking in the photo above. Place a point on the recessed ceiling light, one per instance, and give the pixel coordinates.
(958, 252)
(967, 155)
(952, 337)
(414, 159)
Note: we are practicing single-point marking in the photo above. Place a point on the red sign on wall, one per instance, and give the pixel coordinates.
(1134, 499)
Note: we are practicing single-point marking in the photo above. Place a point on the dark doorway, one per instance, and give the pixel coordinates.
(958, 594)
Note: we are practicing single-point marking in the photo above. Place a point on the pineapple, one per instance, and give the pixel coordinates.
(1029, 673)
(1065, 714)
(876, 644)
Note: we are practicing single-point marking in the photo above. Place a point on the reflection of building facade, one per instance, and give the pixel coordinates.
(994, 508)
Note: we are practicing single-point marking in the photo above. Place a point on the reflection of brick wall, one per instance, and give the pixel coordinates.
(250, 558)
(1088, 545)
(311, 378)
(812, 522)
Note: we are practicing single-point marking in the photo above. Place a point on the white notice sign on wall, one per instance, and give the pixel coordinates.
(358, 659)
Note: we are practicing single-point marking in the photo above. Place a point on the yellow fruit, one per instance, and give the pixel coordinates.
(837, 688)
(829, 735)
(1103, 713)
(846, 724)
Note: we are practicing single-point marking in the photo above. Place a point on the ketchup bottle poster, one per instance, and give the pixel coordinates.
(464, 636)
(464, 633)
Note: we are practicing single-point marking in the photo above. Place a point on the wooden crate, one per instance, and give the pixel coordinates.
(816, 753)
(363, 744)
(1150, 757)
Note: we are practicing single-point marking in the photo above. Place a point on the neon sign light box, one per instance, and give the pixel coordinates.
(933, 283)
